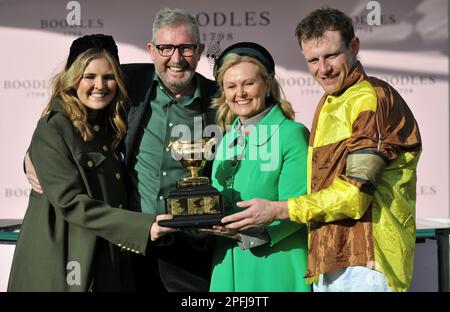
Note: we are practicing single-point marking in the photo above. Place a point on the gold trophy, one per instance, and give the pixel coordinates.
(194, 202)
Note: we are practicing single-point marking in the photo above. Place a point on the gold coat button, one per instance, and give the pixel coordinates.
(118, 176)
(90, 164)
(105, 148)
(96, 128)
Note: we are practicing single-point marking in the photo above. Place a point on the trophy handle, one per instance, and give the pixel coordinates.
(208, 147)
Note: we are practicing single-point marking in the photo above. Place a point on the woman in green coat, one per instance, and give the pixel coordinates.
(262, 155)
(76, 235)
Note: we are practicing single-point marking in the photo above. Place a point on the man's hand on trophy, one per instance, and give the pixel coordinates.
(195, 233)
(31, 175)
(221, 231)
(158, 231)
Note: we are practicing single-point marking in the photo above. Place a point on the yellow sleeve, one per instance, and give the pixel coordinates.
(340, 200)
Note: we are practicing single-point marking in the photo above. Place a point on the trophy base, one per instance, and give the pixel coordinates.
(194, 206)
(193, 221)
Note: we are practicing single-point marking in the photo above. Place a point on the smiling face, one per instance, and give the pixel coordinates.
(176, 71)
(245, 89)
(329, 60)
(98, 85)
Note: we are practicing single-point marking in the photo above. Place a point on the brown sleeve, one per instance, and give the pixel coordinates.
(388, 130)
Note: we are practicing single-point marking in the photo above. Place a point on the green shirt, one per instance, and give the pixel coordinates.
(155, 171)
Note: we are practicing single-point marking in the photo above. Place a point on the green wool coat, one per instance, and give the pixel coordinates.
(76, 236)
(274, 168)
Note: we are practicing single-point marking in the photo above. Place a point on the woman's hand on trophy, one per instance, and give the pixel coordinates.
(158, 231)
(259, 213)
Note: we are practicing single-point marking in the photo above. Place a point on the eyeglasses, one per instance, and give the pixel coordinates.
(168, 50)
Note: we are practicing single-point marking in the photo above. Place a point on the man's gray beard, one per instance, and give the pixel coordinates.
(175, 87)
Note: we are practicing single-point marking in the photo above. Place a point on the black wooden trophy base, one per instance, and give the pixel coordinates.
(194, 206)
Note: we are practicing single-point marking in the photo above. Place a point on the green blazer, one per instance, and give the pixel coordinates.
(272, 166)
(74, 234)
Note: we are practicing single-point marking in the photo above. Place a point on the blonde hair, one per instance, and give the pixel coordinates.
(224, 115)
(64, 88)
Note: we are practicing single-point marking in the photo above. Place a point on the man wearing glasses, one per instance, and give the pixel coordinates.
(166, 95)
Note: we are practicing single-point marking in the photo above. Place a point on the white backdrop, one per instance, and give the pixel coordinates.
(409, 50)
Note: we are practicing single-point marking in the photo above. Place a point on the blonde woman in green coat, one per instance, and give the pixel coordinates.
(262, 155)
(76, 235)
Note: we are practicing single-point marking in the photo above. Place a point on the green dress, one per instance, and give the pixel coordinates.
(272, 166)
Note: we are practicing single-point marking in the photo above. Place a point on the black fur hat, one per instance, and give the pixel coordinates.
(97, 41)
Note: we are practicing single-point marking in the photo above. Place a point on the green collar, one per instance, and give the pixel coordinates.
(270, 122)
(185, 100)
